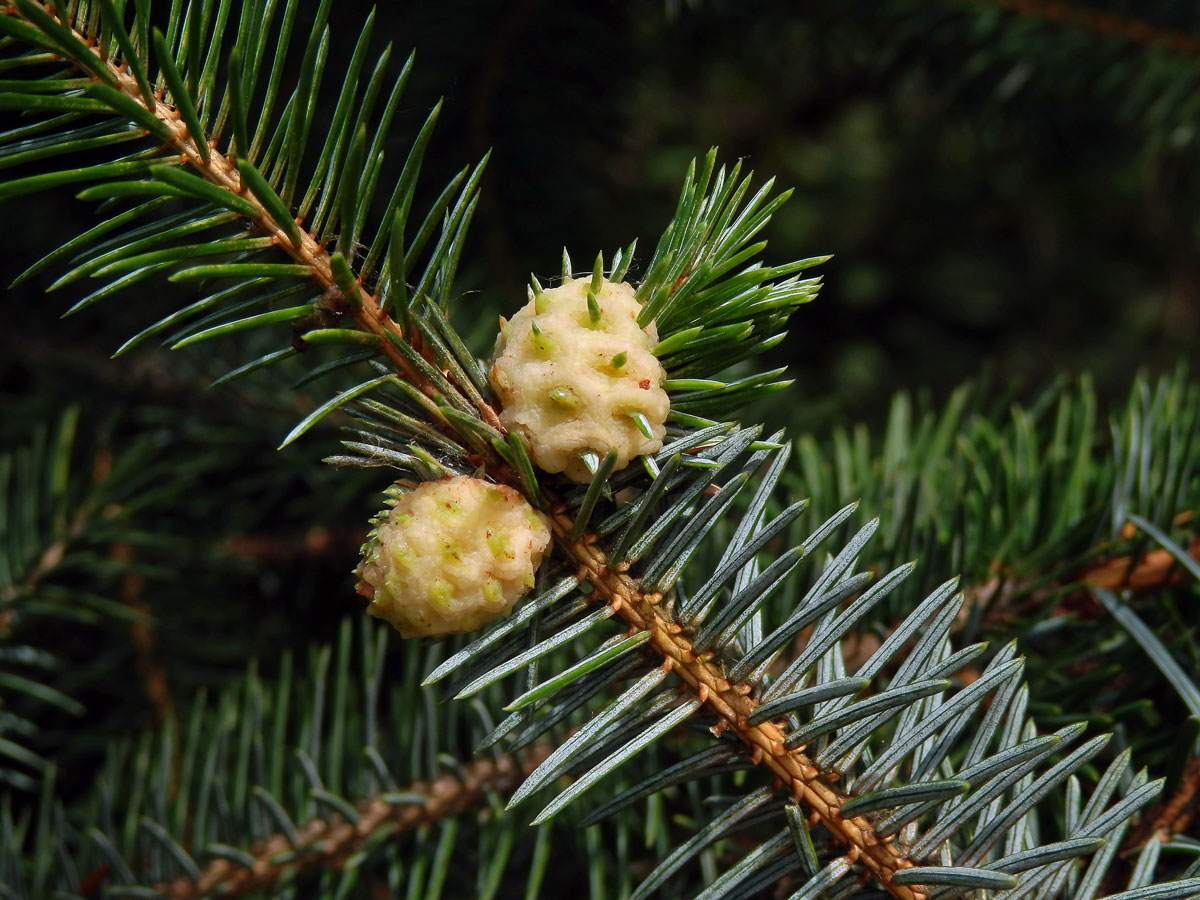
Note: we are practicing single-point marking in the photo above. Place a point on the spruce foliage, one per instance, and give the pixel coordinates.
(728, 683)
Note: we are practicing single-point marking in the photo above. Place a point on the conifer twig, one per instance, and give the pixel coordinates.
(330, 842)
(49, 559)
(1133, 31)
(315, 541)
(144, 638)
(1173, 814)
(733, 704)
(701, 675)
(1154, 570)
(220, 170)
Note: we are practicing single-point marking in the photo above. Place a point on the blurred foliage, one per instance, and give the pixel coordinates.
(995, 186)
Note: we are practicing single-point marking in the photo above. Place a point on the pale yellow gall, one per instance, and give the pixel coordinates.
(574, 373)
(452, 556)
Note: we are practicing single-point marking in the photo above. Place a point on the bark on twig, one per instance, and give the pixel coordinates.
(1129, 30)
(145, 641)
(733, 705)
(1172, 815)
(330, 842)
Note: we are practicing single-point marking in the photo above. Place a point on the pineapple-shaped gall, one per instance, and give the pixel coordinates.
(575, 373)
(451, 556)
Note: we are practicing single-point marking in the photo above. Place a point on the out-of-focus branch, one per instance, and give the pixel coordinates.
(1133, 31)
(1173, 814)
(145, 642)
(330, 842)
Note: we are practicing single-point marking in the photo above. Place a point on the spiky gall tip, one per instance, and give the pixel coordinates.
(451, 556)
(575, 374)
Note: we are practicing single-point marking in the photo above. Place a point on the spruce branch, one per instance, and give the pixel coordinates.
(712, 308)
(143, 636)
(733, 705)
(1152, 571)
(1172, 815)
(48, 515)
(328, 843)
(249, 196)
(702, 677)
(1126, 29)
(1059, 46)
(302, 785)
(25, 575)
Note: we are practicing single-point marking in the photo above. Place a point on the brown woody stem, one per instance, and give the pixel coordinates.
(1174, 814)
(733, 704)
(330, 842)
(1133, 31)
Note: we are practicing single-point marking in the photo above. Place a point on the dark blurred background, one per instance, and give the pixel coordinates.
(1003, 184)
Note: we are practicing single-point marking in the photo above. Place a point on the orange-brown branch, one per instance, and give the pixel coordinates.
(221, 171)
(145, 641)
(316, 541)
(1156, 569)
(1172, 815)
(733, 704)
(330, 842)
(1132, 31)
